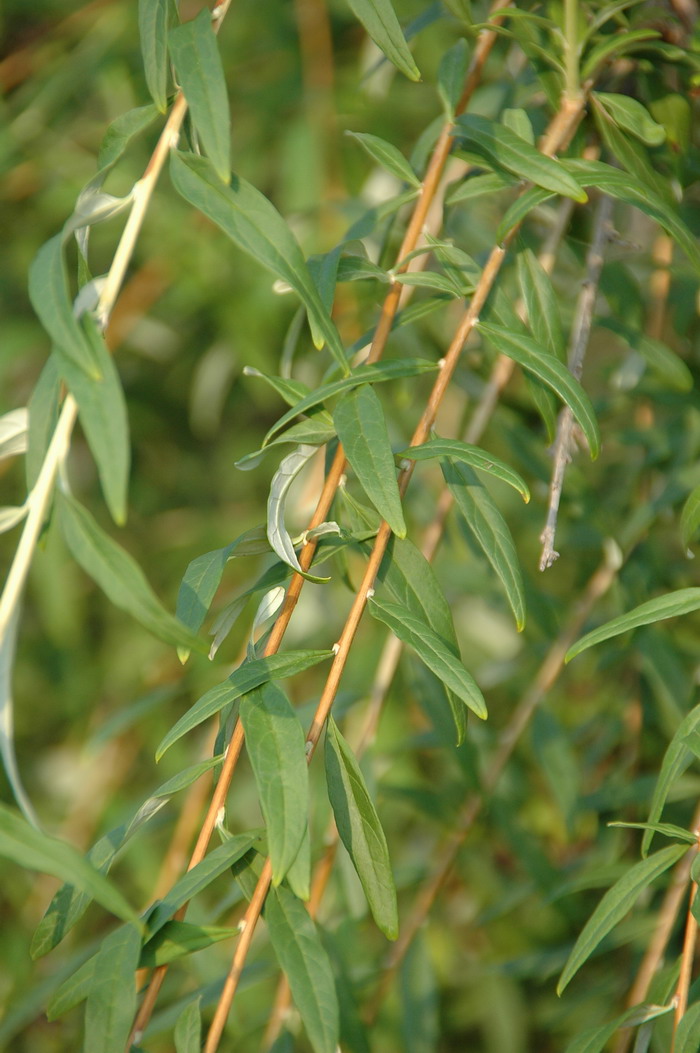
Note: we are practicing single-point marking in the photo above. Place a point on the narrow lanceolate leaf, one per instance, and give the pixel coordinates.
(679, 753)
(275, 744)
(472, 455)
(48, 291)
(111, 1003)
(43, 416)
(671, 605)
(255, 225)
(359, 421)
(118, 575)
(380, 21)
(690, 516)
(153, 31)
(31, 848)
(431, 649)
(8, 645)
(179, 938)
(277, 533)
(387, 155)
(188, 1029)
(507, 150)
(120, 133)
(540, 299)
(595, 1039)
(371, 374)
(360, 830)
(490, 530)
(200, 74)
(103, 415)
(247, 677)
(615, 904)
(631, 115)
(452, 73)
(528, 354)
(688, 1033)
(305, 963)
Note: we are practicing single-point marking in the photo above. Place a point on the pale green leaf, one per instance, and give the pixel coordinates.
(118, 575)
(13, 433)
(667, 365)
(690, 516)
(8, 644)
(361, 427)
(276, 748)
(368, 374)
(188, 1029)
(179, 938)
(677, 833)
(509, 151)
(670, 605)
(452, 74)
(528, 354)
(248, 676)
(305, 963)
(153, 32)
(468, 454)
(48, 292)
(360, 830)
(313, 432)
(428, 280)
(72, 991)
(31, 848)
(299, 873)
(387, 155)
(420, 999)
(255, 225)
(103, 416)
(519, 122)
(631, 115)
(277, 533)
(615, 904)
(432, 649)
(490, 530)
(111, 1002)
(380, 21)
(200, 74)
(43, 417)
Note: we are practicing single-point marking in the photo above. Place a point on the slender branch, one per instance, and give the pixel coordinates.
(687, 956)
(579, 341)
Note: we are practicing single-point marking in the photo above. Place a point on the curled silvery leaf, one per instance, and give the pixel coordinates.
(13, 432)
(11, 516)
(322, 530)
(89, 296)
(93, 206)
(267, 609)
(285, 475)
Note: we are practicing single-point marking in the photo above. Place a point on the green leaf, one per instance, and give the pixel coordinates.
(612, 46)
(31, 848)
(380, 21)
(313, 432)
(688, 1033)
(277, 533)
(615, 904)
(305, 963)
(387, 155)
(198, 878)
(72, 991)
(452, 74)
(479, 186)
(625, 187)
(468, 454)
(118, 575)
(420, 1010)
(428, 280)
(8, 645)
(631, 155)
(43, 417)
(629, 114)
(179, 938)
(678, 755)
(670, 605)
(188, 1029)
(506, 149)
(111, 1003)
(248, 676)
(48, 292)
(541, 303)
(678, 833)
(255, 225)
(121, 131)
(594, 1040)
(361, 427)
(103, 415)
(524, 203)
(153, 31)
(490, 530)
(431, 649)
(690, 516)
(299, 874)
(528, 354)
(276, 748)
(371, 374)
(200, 74)
(360, 830)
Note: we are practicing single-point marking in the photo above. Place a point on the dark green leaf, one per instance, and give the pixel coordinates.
(361, 427)
(313, 432)
(690, 516)
(276, 747)
(524, 203)
(380, 21)
(360, 830)
(678, 755)
(478, 186)
(255, 225)
(387, 156)
(468, 454)
(452, 74)
(305, 964)
(248, 676)
(153, 31)
(200, 74)
(111, 1002)
(671, 605)
(119, 577)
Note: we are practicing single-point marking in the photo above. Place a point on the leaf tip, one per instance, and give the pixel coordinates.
(183, 653)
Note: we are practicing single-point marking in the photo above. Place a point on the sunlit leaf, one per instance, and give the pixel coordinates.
(468, 454)
(380, 21)
(179, 938)
(671, 605)
(360, 830)
(387, 155)
(631, 115)
(277, 533)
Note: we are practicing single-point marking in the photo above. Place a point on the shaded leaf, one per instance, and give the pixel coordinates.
(387, 155)
(13, 432)
(490, 530)
(670, 605)
(361, 427)
(8, 644)
(690, 516)
(248, 676)
(200, 74)
(380, 21)
(593, 1040)
(118, 575)
(188, 1029)
(153, 32)
(478, 186)
(275, 742)
(313, 432)
(667, 365)
(615, 904)
(452, 74)
(255, 225)
(612, 46)
(468, 454)
(122, 130)
(111, 1002)
(305, 963)
(677, 757)
(431, 649)
(688, 1033)
(360, 830)
(43, 417)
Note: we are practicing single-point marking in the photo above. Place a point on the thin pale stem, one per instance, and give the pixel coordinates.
(687, 959)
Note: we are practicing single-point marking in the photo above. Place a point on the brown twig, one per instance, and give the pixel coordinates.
(687, 954)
